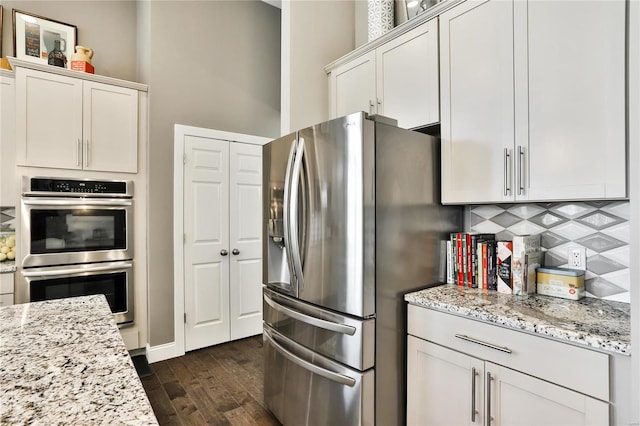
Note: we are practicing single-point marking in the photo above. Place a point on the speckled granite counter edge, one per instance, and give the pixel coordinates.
(7, 267)
(511, 319)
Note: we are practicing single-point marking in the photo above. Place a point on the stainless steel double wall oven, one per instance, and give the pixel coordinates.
(77, 240)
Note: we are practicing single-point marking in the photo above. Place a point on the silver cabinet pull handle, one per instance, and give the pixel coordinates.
(480, 342)
(371, 107)
(507, 162)
(79, 152)
(474, 373)
(520, 170)
(235, 252)
(488, 399)
(87, 156)
(223, 252)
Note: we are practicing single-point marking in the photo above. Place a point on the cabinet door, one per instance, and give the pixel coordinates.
(110, 128)
(407, 77)
(245, 239)
(444, 387)
(516, 398)
(9, 186)
(48, 120)
(477, 112)
(353, 86)
(576, 98)
(206, 242)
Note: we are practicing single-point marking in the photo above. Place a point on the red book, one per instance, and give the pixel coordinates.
(469, 270)
(485, 269)
(460, 260)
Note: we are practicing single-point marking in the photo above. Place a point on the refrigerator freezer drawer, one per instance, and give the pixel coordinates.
(303, 388)
(348, 340)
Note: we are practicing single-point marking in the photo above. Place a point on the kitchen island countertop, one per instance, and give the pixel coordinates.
(595, 323)
(7, 266)
(64, 361)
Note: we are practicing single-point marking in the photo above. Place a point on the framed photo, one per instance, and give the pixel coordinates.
(0, 31)
(43, 40)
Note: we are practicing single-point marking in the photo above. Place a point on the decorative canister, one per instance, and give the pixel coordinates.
(380, 17)
(82, 54)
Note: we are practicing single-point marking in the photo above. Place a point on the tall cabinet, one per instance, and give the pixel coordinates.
(222, 234)
(533, 101)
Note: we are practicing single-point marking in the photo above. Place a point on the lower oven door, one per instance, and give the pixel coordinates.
(302, 387)
(113, 279)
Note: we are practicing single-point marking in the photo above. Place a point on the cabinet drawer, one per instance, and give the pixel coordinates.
(6, 283)
(580, 369)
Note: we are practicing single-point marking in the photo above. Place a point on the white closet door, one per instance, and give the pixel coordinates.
(206, 266)
(245, 236)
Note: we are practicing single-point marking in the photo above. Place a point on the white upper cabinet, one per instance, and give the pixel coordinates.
(407, 77)
(69, 123)
(533, 101)
(354, 86)
(398, 79)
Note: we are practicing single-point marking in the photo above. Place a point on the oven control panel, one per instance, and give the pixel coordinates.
(51, 186)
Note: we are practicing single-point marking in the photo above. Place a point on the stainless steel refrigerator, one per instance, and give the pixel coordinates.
(353, 221)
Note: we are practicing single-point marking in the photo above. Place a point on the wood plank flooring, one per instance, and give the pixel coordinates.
(219, 385)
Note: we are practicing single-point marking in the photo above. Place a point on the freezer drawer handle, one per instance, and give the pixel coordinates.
(316, 322)
(327, 374)
(480, 342)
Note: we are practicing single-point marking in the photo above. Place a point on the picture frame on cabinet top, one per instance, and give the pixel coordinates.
(0, 31)
(35, 37)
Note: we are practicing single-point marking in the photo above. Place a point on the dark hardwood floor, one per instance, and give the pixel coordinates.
(219, 385)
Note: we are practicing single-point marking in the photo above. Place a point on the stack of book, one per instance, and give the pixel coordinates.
(476, 260)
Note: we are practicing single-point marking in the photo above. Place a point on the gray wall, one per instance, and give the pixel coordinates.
(213, 64)
(108, 27)
(314, 34)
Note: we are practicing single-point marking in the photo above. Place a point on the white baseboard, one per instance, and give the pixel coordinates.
(162, 352)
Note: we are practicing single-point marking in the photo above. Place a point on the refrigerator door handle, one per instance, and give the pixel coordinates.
(316, 322)
(286, 210)
(293, 214)
(327, 374)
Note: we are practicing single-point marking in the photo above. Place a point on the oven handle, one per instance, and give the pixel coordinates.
(76, 270)
(115, 202)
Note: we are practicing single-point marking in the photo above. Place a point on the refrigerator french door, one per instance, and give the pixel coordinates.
(353, 221)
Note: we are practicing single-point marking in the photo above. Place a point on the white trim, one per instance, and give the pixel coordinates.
(161, 352)
(77, 74)
(177, 348)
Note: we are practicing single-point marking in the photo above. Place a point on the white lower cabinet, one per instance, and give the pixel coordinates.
(6, 289)
(470, 385)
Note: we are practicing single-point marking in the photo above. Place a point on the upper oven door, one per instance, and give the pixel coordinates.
(60, 231)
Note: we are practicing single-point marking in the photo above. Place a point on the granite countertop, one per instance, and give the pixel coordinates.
(64, 361)
(7, 266)
(596, 323)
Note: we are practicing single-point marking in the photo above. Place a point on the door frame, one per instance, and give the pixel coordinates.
(180, 132)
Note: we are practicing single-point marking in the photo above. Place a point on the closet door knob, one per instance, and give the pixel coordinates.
(223, 252)
(235, 252)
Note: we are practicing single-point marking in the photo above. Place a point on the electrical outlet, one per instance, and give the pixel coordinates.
(577, 258)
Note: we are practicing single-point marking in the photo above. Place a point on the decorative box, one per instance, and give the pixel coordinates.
(82, 66)
(560, 282)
